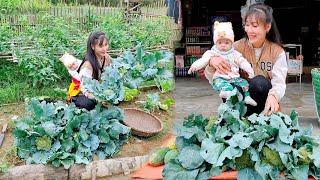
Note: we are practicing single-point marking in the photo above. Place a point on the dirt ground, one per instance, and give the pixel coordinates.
(136, 146)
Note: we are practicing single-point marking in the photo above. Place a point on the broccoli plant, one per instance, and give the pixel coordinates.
(258, 146)
(60, 134)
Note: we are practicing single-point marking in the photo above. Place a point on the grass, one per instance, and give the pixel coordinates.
(14, 86)
(18, 92)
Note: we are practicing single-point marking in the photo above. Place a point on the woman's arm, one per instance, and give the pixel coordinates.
(279, 74)
(278, 82)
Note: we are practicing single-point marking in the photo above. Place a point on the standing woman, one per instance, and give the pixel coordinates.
(92, 66)
(262, 47)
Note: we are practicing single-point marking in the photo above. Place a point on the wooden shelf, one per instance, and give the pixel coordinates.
(195, 55)
(198, 35)
(197, 41)
(202, 43)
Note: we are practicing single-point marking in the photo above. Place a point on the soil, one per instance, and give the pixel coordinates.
(138, 146)
(7, 150)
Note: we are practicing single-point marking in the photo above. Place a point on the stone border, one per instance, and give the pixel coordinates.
(93, 170)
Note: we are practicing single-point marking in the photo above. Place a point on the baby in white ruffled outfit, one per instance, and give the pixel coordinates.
(223, 40)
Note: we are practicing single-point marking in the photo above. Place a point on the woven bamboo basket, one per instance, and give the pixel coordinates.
(142, 123)
(315, 73)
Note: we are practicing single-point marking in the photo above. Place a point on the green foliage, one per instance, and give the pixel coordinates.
(153, 103)
(61, 134)
(142, 66)
(110, 88)
(130, 94)
(117, 29)
(150, 32)
(130, 71)
(166, 104)
(190, 151)
(259, 146)
(39, 69)
(172, 154)
(124, 35)
(40, 61)
(38, 48)
(15, 6)
(15, 87)
(174, 170)
(6, 36)
(164, 85)
(4, 167)
(248, 174)
(157, 158)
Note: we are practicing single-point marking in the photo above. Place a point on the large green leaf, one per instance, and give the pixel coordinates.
(279, 146)
(190, 163)
(210, 151)
(300, 173)
(248, 174)
(173, 171)
(240, 140)
(316, 156)
(228, 153)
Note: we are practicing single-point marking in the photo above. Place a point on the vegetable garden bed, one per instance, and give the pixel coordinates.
(135, 146)
(62, 135)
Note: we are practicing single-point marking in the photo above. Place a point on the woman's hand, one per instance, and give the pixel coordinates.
(221, 65)
(89, 95)
(271, 106)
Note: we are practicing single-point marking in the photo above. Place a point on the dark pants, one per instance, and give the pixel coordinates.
(259, 87)
(81, 101)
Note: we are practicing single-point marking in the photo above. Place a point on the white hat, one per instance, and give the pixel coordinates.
(222, 30)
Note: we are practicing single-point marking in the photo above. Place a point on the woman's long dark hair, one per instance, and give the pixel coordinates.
(94, 39)
(263, 13)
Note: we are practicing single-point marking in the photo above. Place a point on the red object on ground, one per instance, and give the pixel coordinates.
(154, 173)
(230, 175)
(150, 172)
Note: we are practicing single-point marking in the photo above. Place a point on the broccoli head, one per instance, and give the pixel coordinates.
(43, 143)
(271, 157)
(244, 161)
(304, 160)
(211, 123)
